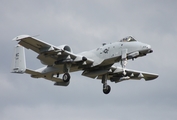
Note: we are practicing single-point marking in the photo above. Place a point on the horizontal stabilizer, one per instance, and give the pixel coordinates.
(36, 74)
(33, 73)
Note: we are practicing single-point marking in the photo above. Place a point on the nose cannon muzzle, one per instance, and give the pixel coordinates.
(150, 51)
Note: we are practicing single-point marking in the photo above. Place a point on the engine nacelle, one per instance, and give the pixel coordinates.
(65, 47)
(60, 48)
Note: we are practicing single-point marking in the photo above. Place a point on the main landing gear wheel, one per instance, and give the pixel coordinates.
(66, 77)
(106, 89)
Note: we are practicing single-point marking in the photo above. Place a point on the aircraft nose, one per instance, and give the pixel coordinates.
(149, 49)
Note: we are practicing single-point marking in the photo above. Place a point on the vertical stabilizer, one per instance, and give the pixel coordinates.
(19, 62)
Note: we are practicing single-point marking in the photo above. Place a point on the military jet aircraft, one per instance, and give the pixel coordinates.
(98, 63)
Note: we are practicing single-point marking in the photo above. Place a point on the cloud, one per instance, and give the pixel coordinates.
(5, 86)
(85, 25)
(118, 111)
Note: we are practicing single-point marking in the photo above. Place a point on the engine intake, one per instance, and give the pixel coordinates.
(65, 47)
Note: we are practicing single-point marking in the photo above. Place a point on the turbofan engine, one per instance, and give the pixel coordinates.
(52, 51)
(65, 47)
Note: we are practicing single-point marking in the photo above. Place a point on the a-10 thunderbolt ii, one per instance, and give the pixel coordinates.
(97, 63)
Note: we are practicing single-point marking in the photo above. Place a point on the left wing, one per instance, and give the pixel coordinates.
(115, 74)
(118, 76)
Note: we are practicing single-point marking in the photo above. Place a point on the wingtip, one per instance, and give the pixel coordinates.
(151, 78)
(20, 37)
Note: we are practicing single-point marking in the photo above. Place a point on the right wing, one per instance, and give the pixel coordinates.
(32, 43)
(48, 53)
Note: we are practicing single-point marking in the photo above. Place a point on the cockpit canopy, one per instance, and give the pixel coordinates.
(128, 39)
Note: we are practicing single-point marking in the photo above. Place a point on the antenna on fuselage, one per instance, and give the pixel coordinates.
(104, 44)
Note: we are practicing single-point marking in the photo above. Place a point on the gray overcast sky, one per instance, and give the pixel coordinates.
(85, 25)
